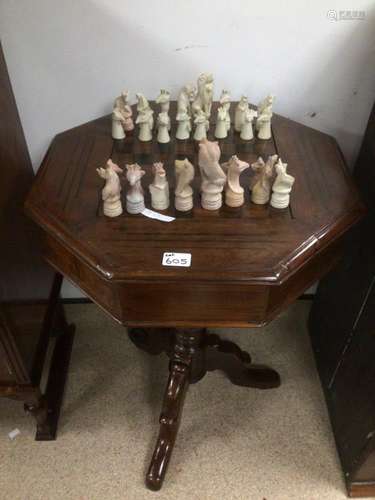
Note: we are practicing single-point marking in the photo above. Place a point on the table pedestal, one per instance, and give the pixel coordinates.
(192, 354)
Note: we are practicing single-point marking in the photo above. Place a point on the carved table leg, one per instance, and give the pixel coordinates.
(185, 347)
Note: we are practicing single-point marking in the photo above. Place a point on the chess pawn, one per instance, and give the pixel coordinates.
(234, 193)
(201, 126)
(264, 124)
(163, 99)
(261, 184)
(212, 175)
(163, 123)
(184, 171)
(135, 202)
(221, 130)
(117, 125)
(239, 114)
(225, 103)
(159, 188)
(145, 121)
(247, 126)
(282, 186)
(184, 126)
(111, 193)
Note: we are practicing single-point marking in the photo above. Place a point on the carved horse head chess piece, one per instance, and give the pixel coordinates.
(135, 203)
(164, 100)
(261, 183)
(234, 193)
(221, 130)
(282, 186)
(159, 188)
(212, 175)
(111, 193)
(184, 171)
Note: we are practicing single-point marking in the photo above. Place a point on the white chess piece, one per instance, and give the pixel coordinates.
(184, 126)
(247, 127)
(204, 96)
(163, 123)
(201, 126)
(225, 103)
(221, 130)
(261, 183)
(212, 175)
(135, 202)
(282, 186)
(239, 115)
(266, 103)
(184, 171)
(159, 188)
(118, 131)
(264, 124)
(122, 105)
(185, 98)
(143, 106)
(164, 100)
(234, 193)
(145, 121)
(111, 193)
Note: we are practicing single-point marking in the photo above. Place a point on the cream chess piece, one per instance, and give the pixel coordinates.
(261, 183)
(163, 124)
(266, 103)
(135, 202)
(247, 127)
(184, 171)
(164, 100)
(221, 130)
(111, 193)
(234, 193)
(184, 126)
(201, 126)
(185, 99)
(143, 106)
(225, 103)
(122, 105)
(239, 115)
(282, 186)
(204, 96)
(145, 122)
(212, 175)
(159, 188)
(263, 123)
(118, 131)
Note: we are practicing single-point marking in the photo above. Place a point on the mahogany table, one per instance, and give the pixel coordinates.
(248, 264)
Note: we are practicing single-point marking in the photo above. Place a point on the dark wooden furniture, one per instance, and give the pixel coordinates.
(248, 264)
(342, 328)
(29, 290)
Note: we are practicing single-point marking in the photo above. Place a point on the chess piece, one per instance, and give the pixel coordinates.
(184, 126)
(184, 171)
(145, 122)
(204, 96)
(282, 186)
(221, 130)
(122, 105)
(201, 126)
(261, 183)
(234, 193)
(225, 103)
(163, 124)
(118, 131)
(111, 193)
(163, 99)
(247, 126)
(135, 202)
(143, 106)
(185, 99)
(263, 123)
(239, 116)
(266, 103)
(159, 188)
(212, 175)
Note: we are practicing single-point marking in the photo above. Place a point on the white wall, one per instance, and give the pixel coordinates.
(68, 59)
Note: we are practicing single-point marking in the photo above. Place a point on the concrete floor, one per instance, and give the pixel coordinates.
(234, 443)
